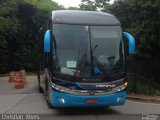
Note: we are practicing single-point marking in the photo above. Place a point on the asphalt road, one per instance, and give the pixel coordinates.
(29, 101)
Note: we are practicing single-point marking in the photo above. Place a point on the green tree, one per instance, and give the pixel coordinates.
(22, 25)
(95, 5)
(141, 18)
(9, 27)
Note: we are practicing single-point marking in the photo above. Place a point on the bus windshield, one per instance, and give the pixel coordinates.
(86, 51)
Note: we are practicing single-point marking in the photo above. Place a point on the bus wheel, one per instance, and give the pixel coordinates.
(39, 87)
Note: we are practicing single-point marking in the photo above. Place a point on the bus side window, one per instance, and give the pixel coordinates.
(46, 60)
(126, 46)
(43, 61)
(40, 62)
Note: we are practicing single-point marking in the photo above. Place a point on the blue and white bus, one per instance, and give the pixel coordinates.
(83, 60)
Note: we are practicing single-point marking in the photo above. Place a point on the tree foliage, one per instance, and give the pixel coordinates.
(22, 25)
(93, 5)
(141, 18)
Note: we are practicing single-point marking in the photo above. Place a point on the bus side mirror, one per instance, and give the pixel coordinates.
(131, 42)
(47, 41)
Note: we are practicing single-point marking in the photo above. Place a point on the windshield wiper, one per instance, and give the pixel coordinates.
(94, 48)
(81, 62)
(83, 59)
(98, 66)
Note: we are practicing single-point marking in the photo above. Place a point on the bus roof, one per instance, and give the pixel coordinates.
(83, 18)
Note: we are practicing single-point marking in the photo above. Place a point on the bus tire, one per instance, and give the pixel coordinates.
(40, 89)
(39, 86)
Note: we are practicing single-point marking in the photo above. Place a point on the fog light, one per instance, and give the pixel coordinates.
(119, 99)
(61, 100)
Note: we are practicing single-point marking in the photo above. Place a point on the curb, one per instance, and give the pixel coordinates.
(144, 99)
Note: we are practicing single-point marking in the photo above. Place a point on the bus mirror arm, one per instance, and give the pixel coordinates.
(131, 42)
(47, 41)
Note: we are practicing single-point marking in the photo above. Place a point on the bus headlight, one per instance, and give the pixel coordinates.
(120, 88)
(59, 88)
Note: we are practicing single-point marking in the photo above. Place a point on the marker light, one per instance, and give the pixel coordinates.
(125, 83)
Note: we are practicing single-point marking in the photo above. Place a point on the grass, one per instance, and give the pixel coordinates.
(3, 75)
(143, 88)
(147, 89)
(27, 73)
(31, 73)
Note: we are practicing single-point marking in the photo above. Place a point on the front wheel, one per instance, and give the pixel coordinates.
(39, 86)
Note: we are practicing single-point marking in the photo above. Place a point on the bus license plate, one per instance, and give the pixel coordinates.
(91, 101)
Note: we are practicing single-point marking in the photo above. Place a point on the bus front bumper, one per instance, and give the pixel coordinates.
(59, 99)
